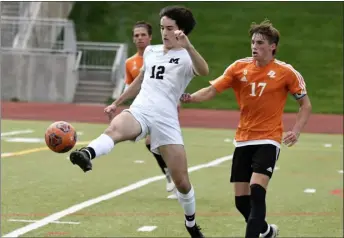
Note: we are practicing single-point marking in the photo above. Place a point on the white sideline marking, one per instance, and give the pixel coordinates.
(139, 161)
(11, 133)
(25, 140)
(309, 190)
(227, 140)
(276, 168)
(340, 171)
(328, 145)
(6, 154)
(147, 228)
(57, 222)
(58, 215)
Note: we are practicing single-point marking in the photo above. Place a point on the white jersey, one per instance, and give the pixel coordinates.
(166, 76)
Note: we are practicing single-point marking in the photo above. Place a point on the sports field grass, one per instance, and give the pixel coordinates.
(311, 39)
(38, 183)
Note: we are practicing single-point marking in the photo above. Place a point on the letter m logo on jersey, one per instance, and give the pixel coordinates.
(173, 60)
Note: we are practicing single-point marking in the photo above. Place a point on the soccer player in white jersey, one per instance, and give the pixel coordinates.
(166, 72)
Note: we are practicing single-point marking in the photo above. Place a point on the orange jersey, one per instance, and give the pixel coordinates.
(261, 93)
(132, 68)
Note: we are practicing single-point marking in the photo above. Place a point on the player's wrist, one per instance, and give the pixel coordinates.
(192, 99)
(189, 47)
(296, 131)
(116, 103)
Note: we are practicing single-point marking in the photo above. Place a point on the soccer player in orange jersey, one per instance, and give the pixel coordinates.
(142, 36)
(261, 84)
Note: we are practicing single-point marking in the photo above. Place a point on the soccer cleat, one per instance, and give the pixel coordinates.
(194, 231)
(274, 232)
(82, 159)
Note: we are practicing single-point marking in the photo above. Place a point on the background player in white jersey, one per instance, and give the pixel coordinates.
(166, 72)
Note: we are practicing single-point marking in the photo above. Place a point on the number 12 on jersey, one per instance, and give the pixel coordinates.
(253, 89)
(159, 74)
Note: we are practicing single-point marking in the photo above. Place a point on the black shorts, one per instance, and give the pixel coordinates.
(253, 158)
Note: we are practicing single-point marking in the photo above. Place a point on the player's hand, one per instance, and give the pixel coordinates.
(291, 138)
(110, 111)
(183, 40)
(185, 98)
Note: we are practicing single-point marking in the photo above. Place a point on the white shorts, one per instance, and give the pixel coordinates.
(162, 131)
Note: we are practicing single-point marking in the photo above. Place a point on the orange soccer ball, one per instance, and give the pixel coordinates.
(60, 137)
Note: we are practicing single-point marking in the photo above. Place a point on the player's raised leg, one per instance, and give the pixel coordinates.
(123, 127)
(175, 158)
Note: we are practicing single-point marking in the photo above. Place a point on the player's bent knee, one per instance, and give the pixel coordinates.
(113, 133)
(183, 184)
(261, 179)
(124, 127)
(257, 194)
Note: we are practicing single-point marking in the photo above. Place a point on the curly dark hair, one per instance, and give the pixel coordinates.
(182, 15)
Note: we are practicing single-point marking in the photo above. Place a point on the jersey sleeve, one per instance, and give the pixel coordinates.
(295, 83)
(225, 80)
(128, 77)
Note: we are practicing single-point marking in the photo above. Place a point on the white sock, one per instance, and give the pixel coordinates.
(189, 204)
(102, 145)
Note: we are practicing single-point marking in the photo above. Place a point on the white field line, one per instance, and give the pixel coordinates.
(147, 228)
(12, 133)
(24, 140)
(58, 215)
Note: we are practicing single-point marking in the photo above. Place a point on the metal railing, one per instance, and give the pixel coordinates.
(102, 57)
(99, 55)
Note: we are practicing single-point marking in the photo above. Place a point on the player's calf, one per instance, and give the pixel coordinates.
(243, 204)
(175, 158)
(256, 219)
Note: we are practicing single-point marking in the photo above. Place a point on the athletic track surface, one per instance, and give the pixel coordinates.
(199, 118)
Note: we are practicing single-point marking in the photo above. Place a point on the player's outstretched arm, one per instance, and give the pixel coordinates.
(301, 120)
(131, 91)
(201, 95)
(199, 64)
